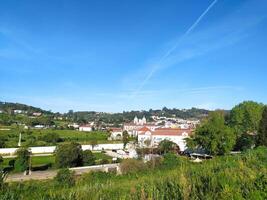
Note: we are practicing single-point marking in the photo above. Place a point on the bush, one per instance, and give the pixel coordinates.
(23, 159)
(11, 163)
(132, 166)
(88, 158)
(68, 155)
(64, 178)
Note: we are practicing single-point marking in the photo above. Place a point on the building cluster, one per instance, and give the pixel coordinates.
(150, 134)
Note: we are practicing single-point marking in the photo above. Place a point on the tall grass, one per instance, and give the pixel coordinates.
(229, 177)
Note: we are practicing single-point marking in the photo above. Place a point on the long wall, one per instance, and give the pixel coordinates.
(51, 149)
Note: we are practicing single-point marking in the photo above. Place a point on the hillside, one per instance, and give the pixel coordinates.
(8, 107)
(228, 177)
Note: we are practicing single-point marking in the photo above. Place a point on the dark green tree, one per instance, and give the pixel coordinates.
(88, 158)
(68, 155)
(262, 134)
(125, 138)
(166, 146)
(213, 135)
(245, 117)
(22, 162)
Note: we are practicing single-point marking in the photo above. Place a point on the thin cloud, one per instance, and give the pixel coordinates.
(168, 53)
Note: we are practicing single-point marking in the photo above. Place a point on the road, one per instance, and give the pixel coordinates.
(49, 174)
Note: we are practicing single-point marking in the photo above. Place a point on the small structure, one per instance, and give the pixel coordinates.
(116, 133)
(86, 128)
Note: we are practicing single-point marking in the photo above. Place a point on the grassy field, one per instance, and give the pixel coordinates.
(36, 137)
(41, 160)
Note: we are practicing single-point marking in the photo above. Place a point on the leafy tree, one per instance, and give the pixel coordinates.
(1, 159)
(245, 117)
(52, 138)
(23, 159)
(245, 141)
(65, 178)
(125, 138)
(68, 155)
(262, 135)
(166, 146)
(214, 136)
(88, 158)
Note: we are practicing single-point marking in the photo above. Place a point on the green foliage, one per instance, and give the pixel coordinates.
(132, 166)
(166, 146)
(68, 155)
(246, 116)
(51, 138)
(23, 159)
(88, 158)
(125, 138)
(64, 178)
(224, 177)
(262, 135)
(214, 136)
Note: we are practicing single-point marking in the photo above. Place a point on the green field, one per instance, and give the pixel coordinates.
(41, 160)
(36, 137)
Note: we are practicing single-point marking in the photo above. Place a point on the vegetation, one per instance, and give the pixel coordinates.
(245, 119)
(262, 136)
(125, 138)
(213, 135)
(64, 178)
(48, 137)
(69, 155)
(88, 158)
(224, 177)
(166, 146)
(22, 162)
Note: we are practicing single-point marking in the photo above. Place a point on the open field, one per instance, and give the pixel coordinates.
(38, 137)
(42, 160)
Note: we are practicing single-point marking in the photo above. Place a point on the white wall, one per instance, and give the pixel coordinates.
(51, 149)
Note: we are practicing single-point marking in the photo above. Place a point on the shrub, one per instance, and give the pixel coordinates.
(88, 158)
(11, 163)
(64, 178)
(23, 159)
(68, 155)
(132, 166)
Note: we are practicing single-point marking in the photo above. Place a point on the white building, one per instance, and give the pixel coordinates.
(87, 128)
(116, 133)
(177, 136)
(133, 127)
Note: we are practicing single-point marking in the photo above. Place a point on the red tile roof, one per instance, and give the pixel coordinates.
(169, 132)
(144, 129)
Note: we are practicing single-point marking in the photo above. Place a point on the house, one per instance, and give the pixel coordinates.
(177, 136)
(36, 114)
(116, 133)
(87, 128)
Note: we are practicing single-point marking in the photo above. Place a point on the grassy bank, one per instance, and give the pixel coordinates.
(229, 177)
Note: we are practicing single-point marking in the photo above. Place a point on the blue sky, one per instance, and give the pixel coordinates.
(133, 55)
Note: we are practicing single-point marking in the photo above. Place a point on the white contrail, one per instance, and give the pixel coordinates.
(156, 67)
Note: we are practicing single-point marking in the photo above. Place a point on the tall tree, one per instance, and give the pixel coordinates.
(262, 134)
(68, 155)
(213, 135)
(245, 119)
(23, 159)
(125, 138)
(246, 116)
